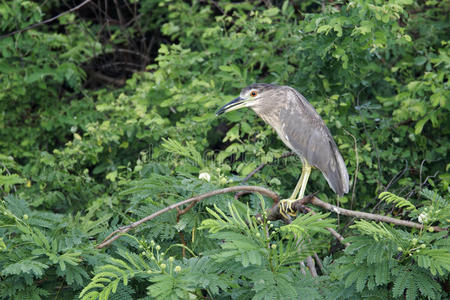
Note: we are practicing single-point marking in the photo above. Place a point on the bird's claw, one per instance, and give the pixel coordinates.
(286, 209)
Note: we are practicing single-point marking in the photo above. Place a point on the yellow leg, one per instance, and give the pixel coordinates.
(299, 191)
(300, 181)
(305, 174)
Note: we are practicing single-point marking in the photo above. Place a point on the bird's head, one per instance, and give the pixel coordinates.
(250, 96)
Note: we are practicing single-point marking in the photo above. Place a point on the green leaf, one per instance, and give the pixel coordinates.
(271, 12)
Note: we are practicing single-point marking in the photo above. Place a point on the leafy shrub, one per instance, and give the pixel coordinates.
(77, 162)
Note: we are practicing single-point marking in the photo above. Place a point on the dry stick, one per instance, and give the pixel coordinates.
(117, 233)
(46, 21)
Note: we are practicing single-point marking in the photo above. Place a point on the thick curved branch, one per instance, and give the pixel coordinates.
(255, 189)
(273, 213)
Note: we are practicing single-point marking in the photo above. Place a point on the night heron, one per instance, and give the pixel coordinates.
(301, 128)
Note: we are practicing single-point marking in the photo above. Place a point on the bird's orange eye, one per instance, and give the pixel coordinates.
(253, 93)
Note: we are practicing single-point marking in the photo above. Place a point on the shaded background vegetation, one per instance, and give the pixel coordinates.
(107, 115)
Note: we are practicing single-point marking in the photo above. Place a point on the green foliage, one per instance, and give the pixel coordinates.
(264, 256)
(382, 256)
(80, 159)
(40, 244)
(398, 201)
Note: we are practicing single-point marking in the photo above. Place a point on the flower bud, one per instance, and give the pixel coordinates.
(205, 176)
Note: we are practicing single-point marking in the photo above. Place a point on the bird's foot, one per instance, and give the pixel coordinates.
(286, 209)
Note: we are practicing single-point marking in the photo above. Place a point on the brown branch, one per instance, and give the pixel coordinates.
(311, 266)
(253, 172)
(46, 21)
(363, 215)
(299, 205)
(319, 263)
(180, 233)
(117, 233)
(273, 213)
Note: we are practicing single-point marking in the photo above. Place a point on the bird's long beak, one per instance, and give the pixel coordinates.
(232, 105)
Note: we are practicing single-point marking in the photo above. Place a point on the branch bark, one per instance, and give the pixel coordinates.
(363, 215)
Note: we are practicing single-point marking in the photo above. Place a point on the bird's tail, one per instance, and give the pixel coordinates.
(337, 177)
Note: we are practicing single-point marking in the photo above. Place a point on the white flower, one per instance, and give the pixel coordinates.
(204, 176)
(423, 217)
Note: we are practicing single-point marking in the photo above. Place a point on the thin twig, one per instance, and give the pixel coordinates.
(284, 155)
(215, 4)
(333, 232)
(397, 177)
(9, 173)
(391, 182)
(253, 172)
(421, 183)
(46, 21)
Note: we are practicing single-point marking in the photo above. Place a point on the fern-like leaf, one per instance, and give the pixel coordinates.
(397, 200)
(409, 280)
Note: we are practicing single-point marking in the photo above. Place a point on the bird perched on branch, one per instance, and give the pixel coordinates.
(300, 128)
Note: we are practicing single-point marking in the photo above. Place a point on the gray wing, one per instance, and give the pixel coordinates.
(307, 135)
